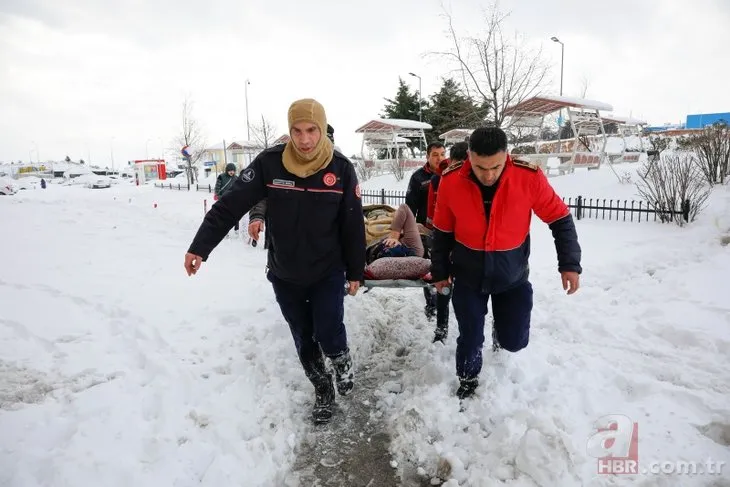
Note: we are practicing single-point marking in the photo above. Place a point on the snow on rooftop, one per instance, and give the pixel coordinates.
(622, 120)
(545, 104)
(391, 124)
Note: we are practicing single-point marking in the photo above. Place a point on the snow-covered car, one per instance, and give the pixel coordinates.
(7, 187)
(28, 182)
(99, 182)
(90, 180)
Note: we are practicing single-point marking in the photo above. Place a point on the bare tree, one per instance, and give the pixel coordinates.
(264, 133)
(364, 172)
(495, 71)
(676, 183)
(396, 167)
(584, 84)
(192, 138)
(712, 149)
(658, 145)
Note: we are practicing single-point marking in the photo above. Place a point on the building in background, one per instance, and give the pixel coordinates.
(702, 120)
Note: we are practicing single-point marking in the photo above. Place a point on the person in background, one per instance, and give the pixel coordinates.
(223, 184)
(437, 305)
(457, 154)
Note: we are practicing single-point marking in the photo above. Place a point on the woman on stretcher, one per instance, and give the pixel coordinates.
(404, 239)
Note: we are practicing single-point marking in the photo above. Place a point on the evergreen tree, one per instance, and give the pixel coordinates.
(404, 105)
(449, 109)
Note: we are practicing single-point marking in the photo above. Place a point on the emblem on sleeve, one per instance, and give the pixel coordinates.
(247, 175)
(329, 179)
(357, 191)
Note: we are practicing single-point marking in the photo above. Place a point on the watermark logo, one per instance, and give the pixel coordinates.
(615, 444)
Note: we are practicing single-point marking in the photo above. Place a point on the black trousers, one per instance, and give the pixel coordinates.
(315, 316)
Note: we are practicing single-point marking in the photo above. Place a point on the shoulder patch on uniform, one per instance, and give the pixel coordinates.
(528, 165)
(452, 167)
(247, 175)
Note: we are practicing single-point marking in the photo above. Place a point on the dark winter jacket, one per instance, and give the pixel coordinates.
(315, 224)
(490, 253)
(417, 193)
(223, 184)
(258, 212)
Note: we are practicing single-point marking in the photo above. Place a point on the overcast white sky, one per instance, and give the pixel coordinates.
(80, 77)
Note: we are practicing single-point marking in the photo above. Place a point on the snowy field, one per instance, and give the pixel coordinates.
(116, 369)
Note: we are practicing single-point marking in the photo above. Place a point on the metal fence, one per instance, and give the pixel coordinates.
(581, 208)
(185, 187)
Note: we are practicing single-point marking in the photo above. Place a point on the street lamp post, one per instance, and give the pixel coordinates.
(562, 57)
(248, 126)
(420, 97)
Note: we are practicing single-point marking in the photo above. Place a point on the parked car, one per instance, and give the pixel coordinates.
(7, 187)
(99, 182)
(90, 180)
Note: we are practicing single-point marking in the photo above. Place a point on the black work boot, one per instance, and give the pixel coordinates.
(430, 309)
(344, 375)
(324, 400)
(440, 333)
(467, 387)
(324, 391)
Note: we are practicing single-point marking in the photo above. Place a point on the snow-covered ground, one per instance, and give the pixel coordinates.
(116, 369)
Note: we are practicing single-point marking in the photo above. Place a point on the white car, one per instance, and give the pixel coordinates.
(7, 187)
(90, 180)
(100, 182)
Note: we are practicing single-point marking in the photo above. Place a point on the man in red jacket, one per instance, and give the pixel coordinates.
(482, 241)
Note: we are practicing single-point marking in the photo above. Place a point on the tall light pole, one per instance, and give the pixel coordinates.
(562, 57)
(248, 126)
(420, 97)
(146, 151)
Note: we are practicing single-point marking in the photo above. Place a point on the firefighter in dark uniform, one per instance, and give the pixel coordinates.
(482, 242)
(316, 242)
(257, 215)
(417, 200)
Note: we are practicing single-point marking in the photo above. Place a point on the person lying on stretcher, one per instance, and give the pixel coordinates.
(404, 239)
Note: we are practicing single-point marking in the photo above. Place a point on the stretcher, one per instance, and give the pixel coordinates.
(424, 282)
(378, 219)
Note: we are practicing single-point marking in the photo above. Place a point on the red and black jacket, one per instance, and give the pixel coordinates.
(433, 189)
(491, 255)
